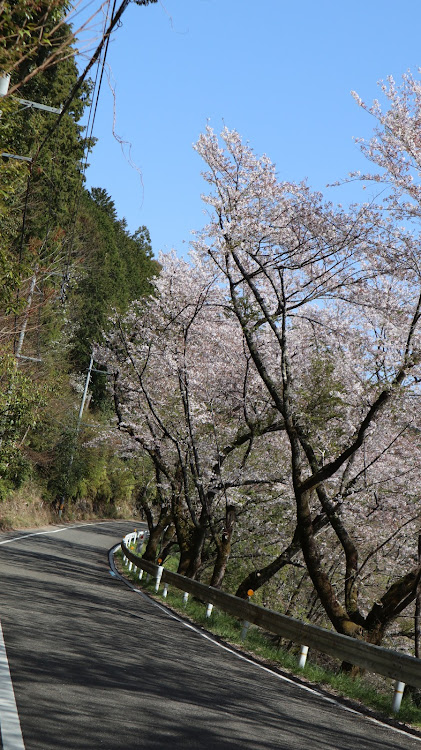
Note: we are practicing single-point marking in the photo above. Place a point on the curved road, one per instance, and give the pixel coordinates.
(95, 665)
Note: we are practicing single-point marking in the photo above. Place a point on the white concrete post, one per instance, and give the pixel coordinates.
(165, 591)
(4, 83)
(303, 657)
(185, 598)
(130, 566)
(140, 574)
(397, 696)
(158, 577)
(209, 610)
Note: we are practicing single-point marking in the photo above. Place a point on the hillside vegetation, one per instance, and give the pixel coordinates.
(66, 262)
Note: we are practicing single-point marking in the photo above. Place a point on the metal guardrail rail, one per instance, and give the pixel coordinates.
(386, 662)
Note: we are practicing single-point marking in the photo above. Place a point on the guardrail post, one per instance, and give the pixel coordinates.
(140, 574)
(130, 566)
(397, 696)
(165, 591)
(303, 657)
(209, 609)
(185, 598)
(158, 577)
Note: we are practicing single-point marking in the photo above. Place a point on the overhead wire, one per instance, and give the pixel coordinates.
(100, 52)
(89, 132)
(113, 22)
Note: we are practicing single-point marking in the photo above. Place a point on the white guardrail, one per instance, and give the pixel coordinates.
(400, 667)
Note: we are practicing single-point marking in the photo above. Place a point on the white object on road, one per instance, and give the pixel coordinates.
(11, 733)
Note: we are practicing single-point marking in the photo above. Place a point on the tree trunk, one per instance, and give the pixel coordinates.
(155, 534)
(327, 595)
(417, 622)
(196, 549)
(190, 541)
(257, 578)
(384, 612)
(191, 555)
(168, 542)
(224, 548)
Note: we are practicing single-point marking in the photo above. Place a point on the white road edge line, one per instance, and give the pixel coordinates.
(253, 663)
(11, 733)
(52, 531)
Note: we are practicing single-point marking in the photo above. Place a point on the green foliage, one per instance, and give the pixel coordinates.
(320, 401)
(13, 180)
(66, 262)
(92, 474)
(37, 202)
(19, 406)
(28, 31)
(117, 268)
(92, 259)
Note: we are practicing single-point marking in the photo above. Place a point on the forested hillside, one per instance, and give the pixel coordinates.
(66, 262)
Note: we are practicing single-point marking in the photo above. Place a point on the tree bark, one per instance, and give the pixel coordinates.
(257, 578)
(155, 535)
(224, 548)
(417, 622)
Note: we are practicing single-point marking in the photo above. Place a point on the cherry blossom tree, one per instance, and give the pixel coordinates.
(187, 394)
(329, 306)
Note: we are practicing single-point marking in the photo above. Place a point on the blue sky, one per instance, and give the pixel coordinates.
(279, 73)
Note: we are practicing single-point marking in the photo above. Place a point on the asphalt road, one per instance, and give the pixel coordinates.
(95, 665)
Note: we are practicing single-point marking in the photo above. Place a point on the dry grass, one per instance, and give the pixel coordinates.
(25, 508)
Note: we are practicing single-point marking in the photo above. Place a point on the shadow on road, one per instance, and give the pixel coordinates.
(95, 665)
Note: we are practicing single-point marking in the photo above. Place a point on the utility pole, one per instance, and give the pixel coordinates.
(85, 393)
(77, 430)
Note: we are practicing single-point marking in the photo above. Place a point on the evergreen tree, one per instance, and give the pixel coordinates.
(117, 268)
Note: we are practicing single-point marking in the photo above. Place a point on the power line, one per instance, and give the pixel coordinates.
(113, 22)
(89, 131)
(104, 43)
